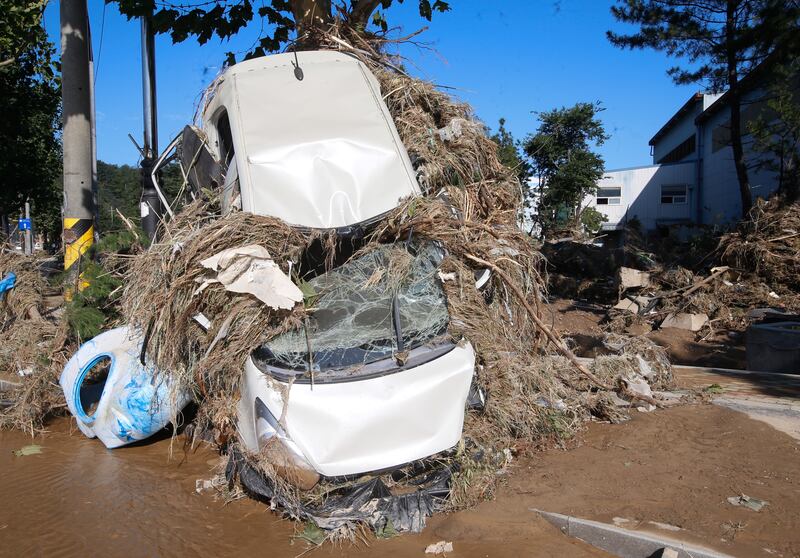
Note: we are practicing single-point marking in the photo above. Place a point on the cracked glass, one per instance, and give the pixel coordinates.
(382, 303)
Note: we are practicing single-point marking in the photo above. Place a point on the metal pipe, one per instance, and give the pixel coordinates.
(151, 206)
(149, 90)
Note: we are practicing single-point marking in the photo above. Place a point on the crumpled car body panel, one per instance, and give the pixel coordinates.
(366, 424)
(321, 152)
(135, 402)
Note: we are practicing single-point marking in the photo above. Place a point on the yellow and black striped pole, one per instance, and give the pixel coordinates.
(78, 216)
(78, 238)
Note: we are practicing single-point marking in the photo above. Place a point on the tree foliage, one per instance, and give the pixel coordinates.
(720, 41)
(20, 28)
(564, 163)
(119, 191)
(280, 20)
(30, 161)
(509, 152)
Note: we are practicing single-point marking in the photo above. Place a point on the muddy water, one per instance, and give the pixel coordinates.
(77, 498)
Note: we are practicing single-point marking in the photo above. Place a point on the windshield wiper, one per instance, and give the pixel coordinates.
(398, 331)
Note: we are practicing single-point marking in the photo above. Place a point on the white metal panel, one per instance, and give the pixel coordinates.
(641, 194)
(319, 152)
(367, 425)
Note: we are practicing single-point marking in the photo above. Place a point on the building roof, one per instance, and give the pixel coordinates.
(748, 82)
(687, 106)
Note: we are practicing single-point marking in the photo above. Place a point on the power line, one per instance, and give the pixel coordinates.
(100, 46)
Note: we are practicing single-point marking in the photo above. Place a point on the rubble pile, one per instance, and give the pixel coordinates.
(757, 266)
(33, 348)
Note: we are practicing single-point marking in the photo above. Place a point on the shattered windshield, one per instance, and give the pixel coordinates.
(384, 302)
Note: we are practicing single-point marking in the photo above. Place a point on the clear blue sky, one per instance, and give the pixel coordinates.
(507, 58)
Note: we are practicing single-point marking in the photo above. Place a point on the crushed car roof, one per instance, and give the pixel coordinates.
(316, 147)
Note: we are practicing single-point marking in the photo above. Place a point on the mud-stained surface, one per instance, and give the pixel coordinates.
(677, 468)
(582, 323)
(76, 499)
(674, 467)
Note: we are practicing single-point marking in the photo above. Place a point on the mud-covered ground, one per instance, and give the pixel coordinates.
(582, 323)
(674, 467)
(77, 498)
(669, 472)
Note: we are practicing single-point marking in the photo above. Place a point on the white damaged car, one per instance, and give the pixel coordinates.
(372, 381)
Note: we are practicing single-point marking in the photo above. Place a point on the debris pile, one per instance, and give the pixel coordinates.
(582, 269)
(200, 322)
(200, 332)
(33, 348)
(767, 245)
(761, 260)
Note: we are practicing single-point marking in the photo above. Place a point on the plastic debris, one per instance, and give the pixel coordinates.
(746, 501)
(7, 283)
(453, 130)
(33, 449)
(441, 547)
(250, 269)
(369, 501)
(132, 402)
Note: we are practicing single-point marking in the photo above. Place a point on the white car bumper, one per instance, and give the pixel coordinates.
(366, 424)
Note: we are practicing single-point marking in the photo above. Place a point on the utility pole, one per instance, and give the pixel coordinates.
(78, 210)
(28, 231)
(151, 207)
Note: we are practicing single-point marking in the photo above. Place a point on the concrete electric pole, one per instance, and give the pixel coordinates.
(28, 232)
(151, 207)
(78, 210)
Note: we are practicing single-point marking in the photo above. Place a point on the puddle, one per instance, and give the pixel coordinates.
(77, 498)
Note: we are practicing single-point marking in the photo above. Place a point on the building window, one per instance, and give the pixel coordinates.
(673, 194)
(609, 196)
(685, 149)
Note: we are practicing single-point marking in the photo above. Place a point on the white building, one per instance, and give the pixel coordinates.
(692, 179)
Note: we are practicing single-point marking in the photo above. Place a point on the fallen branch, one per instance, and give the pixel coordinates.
(686, 291)
(551, 336)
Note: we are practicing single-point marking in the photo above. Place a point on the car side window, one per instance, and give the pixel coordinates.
(225, 138)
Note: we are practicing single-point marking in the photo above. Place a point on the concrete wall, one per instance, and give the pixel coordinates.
(719, 190)
(641, 194)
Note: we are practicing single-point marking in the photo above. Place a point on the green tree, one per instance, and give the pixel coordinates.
(509, 152)
(564, 163)
(720, 42)
(20, 24)
(280, 20)
(30, 160)
(776, 133)
(119, 191)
